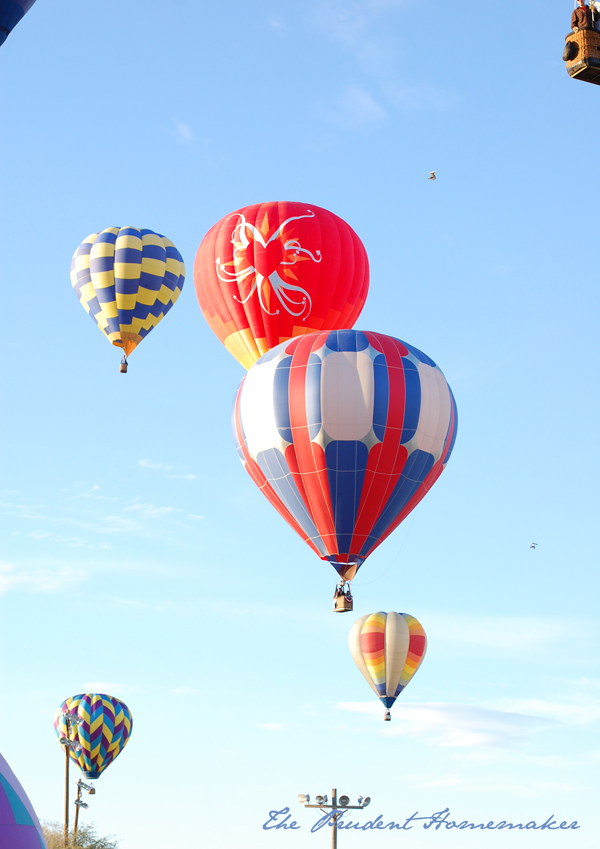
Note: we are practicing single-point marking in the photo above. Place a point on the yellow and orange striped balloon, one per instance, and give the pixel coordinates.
(388, 648)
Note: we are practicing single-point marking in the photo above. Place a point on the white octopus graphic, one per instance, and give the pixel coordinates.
(241, 238)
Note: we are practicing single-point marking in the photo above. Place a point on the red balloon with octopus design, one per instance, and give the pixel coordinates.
(272, 271)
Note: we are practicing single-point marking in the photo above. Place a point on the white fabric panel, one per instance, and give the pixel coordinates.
(257, 411)
(354, 643)
(397, 638)
(434, 418)
(347, 395)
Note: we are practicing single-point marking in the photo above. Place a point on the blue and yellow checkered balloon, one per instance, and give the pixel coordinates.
(127, 280)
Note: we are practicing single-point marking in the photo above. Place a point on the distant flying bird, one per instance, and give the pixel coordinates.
(432, 175)
(533, 545)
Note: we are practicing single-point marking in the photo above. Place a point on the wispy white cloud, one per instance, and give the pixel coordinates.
(108, 688)
(38, 580)
(183, 133)
(277, 24)
(70, 541)
(486, 783)
(354, 109)
(176, 472)
(149, 511)
(458, 726)
(148, 464)
(581, 709)
(185, 691)
(195, 517)
(500, 633)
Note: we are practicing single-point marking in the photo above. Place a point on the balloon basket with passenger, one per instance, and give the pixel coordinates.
(342, 598)
(582, 49)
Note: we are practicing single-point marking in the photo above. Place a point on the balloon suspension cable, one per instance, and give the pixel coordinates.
(393, 560)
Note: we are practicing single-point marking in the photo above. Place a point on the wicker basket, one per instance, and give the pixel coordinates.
(585, 63)
(342, 604)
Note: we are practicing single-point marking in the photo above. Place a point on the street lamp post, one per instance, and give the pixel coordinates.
(337, 806)
(81, 785)
(71, 722)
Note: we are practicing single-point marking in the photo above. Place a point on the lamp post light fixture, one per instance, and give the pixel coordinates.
(337, 806)
(81, 785)
(72, 721)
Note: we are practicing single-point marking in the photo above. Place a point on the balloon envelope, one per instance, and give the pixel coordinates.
(19, 825)
(11, 12)
(388, 648)
(272, 271)
(344, 433)
(127, 280)
(102, 735)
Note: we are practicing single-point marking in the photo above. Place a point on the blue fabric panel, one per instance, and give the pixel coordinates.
(132, 255)
(155, 252)
(419, 354)
(126, 287)
(281, 401)
(10, 14)
(173, 253)
(101, 263)
(108, 238)
(106, 295)
(151, 281)
(387, 701)
(382, 396)
(312, 394)
(412, 409)
(133, 231)
(417, 467)
(20, 812)
(172, 280)
(346, 467)
(347, 340)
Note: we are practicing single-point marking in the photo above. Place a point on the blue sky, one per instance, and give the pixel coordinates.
(138, 557)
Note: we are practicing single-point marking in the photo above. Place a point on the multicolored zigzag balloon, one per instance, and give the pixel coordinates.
(103, 733)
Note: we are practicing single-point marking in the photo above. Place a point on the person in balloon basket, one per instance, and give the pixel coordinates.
(582, 17)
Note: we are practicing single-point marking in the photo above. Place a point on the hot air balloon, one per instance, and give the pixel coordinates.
(344, 432)
(11, 12)
(273, 271)
(388, 648)
(19, 825)
(104, 729)
(127, 280)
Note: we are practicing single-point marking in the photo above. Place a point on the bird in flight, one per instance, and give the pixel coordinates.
(432, 175)
(533, 545)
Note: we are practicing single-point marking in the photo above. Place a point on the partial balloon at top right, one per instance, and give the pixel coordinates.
(583, 42)
(274, 271)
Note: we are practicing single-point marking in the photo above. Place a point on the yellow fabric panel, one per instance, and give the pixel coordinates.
(103, 279)
(110, 310)
(127, 270)
(153, 239)
(102, 249)
(153, 266)
(175, 266)
(126, 302)
(130, 241)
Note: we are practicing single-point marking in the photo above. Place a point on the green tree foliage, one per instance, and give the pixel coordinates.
(86, 838)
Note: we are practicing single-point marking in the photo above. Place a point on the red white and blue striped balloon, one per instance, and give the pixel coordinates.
(344, 432)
